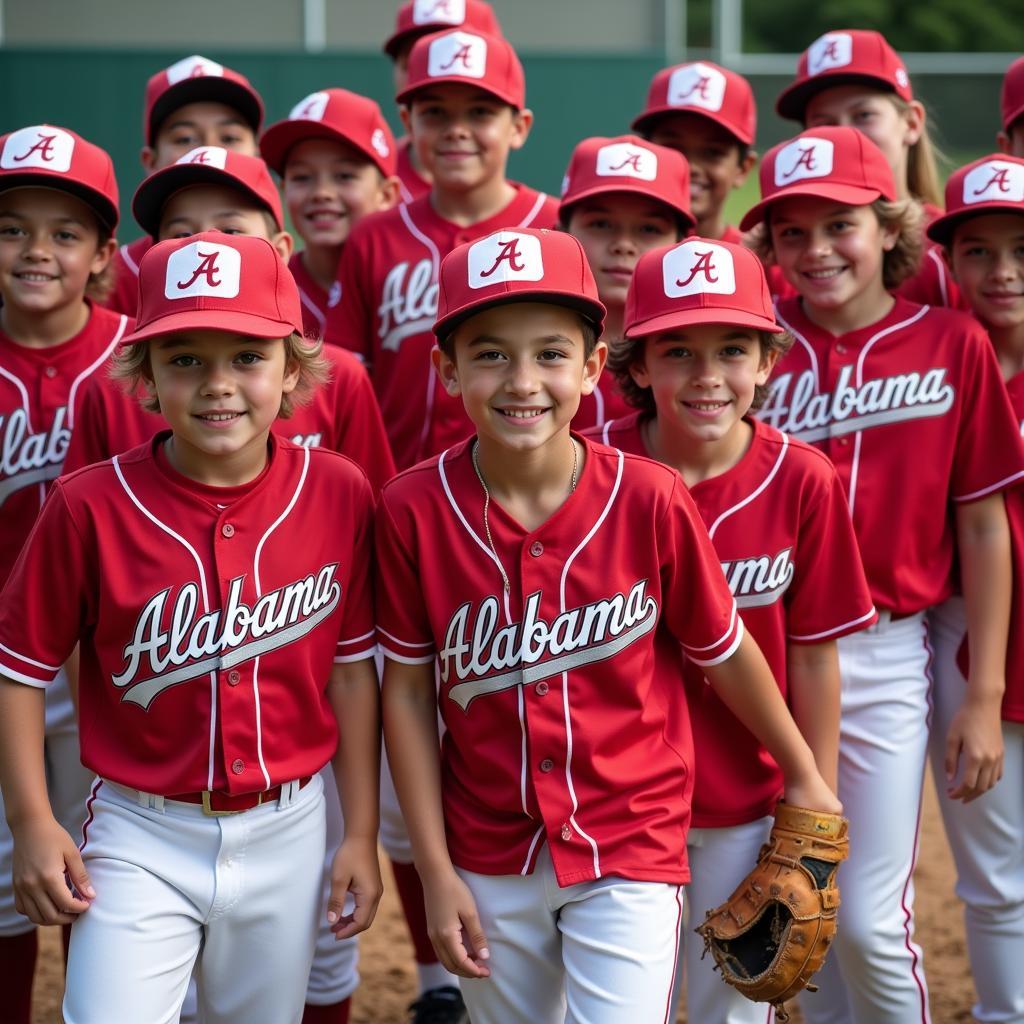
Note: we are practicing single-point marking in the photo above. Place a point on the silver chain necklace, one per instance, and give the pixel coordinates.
(487, 502)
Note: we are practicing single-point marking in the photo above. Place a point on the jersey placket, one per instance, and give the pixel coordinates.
(840, 448)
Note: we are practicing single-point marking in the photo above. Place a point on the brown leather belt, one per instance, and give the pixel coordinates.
(216, 803)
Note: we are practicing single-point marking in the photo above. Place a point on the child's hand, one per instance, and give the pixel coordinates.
(974, 744)
(813, 793)
(355, 870)
(454, 927)
(45, 860)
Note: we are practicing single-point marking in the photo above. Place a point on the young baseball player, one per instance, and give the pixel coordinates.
(620, 197)
(905, 400)
(1011, 139)
(983, 236)
(195, 102)
(700, 344)
(335, 155)
(707, 113)
(58, 213)
(226, 642)
(414, 20)
(553, 851)
(854, 77)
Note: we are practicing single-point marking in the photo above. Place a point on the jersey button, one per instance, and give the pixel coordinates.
(841, 348)
(238, 766)
(536, 549)
(228, 530)
(541, 689)
(566, 832)
(51, 372)
(547, 764)
(234, 677)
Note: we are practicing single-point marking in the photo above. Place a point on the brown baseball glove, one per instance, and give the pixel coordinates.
(773, 933)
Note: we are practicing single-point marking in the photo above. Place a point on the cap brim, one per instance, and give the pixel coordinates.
(225, 321)
(395, 42)
(792, 102)
(852, 195)
(409, 93)
(633, 189)
(207, 87)
(941, 229)
(593, 311)
(100, 205)
(703, 315)
(279, 138)
(645, 122)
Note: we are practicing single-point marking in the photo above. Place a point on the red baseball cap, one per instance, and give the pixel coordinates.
(487, 62)
(829, 162)
(1011, 97)
(420, 17)
(206, 165)
(44, 156)
(197, 79)
(698, 282)
(844, 57)
(628, 164)
(700, 87)
(216, 282)
(516, 265)
(335, 114)
(993, 184)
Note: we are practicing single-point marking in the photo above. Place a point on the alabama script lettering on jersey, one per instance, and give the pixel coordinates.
(906, 409)
(209, 618)
(41, 393)
(780, 526)
(580, 656)
(388, 274)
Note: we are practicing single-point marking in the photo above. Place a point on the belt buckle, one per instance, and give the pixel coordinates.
(211, 813)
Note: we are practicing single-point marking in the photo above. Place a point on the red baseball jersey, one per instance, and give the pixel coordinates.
(906, 409)
(564, 709)
(40, 398)
(411, 184)
(779, 523)
(389, 269)
(604, 404)
(208, 617)
(342, 416)
(124, 298)
(316, 301)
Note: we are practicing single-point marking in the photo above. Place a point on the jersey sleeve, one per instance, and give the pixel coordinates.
(89, 442)
(699, 608)
(403, 627)
(357, 637)
(45, 606)
(349, 322)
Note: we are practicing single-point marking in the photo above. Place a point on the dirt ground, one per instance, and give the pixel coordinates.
(388, 976)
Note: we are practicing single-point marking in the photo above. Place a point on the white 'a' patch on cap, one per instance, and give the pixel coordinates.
(696, 267)
(457, 53)
(994, 181)
(203, 268)
(806, 157)
(832, 50)
(380, 143)
(623, 160)
(208, 156)
(505, 256)
(194, 67)
(697, 85)
(312, 108)
(40, 146)
(438, 12)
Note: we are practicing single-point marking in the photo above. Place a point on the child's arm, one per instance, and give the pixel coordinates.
(746, 684)
(355, 699)
(43, 851)
(410, 732)
(813, 682)
(975, 738)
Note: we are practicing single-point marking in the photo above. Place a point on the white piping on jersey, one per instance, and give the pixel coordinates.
(933, 254)
(1002, 485)
(606, 432)
(730, 650)
(599, 403)
(530, 852)
(537, 206)
(811, 637)
(259, 593)
(88, 372)
(321, 319)
(116, 463)
(30, 661)
(855, 469)
(435, 255)
(407, 196)
(404, 659)
(128, 261)
(399, 640)
(565, 675)
(757, 490)
(22, 390)
(811, 355)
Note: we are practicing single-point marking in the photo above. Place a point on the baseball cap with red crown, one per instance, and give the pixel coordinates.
(700, 87)
(418, 18)
(467, 58)
(197, 79)
(516, 265)
(601, 165)
(844, 57)
(698, 281)
(335, 114)
(1011, 95)
(829, 163)
(993, 184)
(44, 156)
(206, 165)
(216, 282)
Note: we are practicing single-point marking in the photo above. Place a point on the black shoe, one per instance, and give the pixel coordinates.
(439, 1006)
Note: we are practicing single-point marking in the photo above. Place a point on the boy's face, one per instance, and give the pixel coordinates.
(713, 155)
(463, 135)
(987, 257)
(199, 124)
(702, 377)
(49, 246)
(521, 371)
(1012, 142)
(329, 187)
(615, 230)
(219, 208)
